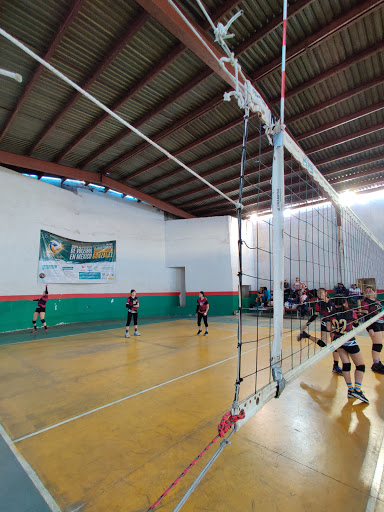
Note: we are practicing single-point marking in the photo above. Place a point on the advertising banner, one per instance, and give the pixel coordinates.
(62, 260)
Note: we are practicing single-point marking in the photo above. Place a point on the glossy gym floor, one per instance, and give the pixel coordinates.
(107, 423)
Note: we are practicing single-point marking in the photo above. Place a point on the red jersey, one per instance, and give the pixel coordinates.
(373, 307)
(202, 305)
(324, 308)
(132, 304)
(42, 302)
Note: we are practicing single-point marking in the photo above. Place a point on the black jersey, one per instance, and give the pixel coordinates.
(343, 321)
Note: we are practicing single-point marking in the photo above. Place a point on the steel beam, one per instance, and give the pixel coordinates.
(343, 120)
(55, 169)
(336, 99)
(344, 21)
(368, 52)
(146, 117)
(176, 52)
(134, 26)
(297, 7)
(349, 177)
(74, 9)
(214, 102)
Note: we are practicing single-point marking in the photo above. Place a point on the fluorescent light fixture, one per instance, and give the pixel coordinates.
(99, 187)
(30, 175)
(253, 218)
(115, 192)
(74, 182)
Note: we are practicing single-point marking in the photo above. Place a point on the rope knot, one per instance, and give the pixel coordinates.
(228, 420)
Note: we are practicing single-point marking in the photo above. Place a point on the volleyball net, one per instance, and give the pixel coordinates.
(301, 229)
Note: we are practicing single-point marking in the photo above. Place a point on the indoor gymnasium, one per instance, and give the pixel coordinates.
(192, 255)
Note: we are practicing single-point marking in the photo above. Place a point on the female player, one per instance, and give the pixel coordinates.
(40, 310)
(370, 307)
(132, 305)
(323, 307)
(202, 312)
(343, 321)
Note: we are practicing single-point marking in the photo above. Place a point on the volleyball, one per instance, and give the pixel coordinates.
(55, 246)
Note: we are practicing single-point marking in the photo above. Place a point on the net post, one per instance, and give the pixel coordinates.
(278, 225)
(278, 257)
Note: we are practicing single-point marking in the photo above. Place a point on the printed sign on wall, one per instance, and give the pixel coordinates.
(62, 260)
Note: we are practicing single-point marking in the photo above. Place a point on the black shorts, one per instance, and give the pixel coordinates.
(323, 328)
(376, 327)
(39, 310)
(130, 316)
(351, 349)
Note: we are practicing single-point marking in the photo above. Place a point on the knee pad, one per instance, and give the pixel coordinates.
(42, 320)
(377, 347)
(346, 367)
(360, 368)
(321, 343)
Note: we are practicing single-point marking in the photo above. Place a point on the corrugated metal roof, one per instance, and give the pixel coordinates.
(165, 101)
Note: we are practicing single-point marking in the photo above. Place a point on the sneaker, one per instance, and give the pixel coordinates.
(360, 396)
(127, 335)
(137, 333)
(34, 330)
(302, 335)
(378, 367)
(350, 393)
(338, 370)
(206, 333)
(198, 332)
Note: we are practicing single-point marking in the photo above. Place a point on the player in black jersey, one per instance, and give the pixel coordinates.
(343, 321)
(40, 310)
(323, 307)
(132, 305)
(370, 306)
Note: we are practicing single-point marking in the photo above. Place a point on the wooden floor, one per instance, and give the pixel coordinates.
(108, 423)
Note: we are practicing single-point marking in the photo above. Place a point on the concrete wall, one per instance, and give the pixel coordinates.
(28, 205)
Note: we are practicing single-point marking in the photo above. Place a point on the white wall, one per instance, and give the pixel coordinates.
(203, 247)
(372, 214)
(28, 205)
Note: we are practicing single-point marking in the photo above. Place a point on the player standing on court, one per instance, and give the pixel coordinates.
(132, 305)
(202, 312)
(40, 310)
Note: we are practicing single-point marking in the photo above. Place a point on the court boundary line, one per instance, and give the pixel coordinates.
(32, 475)
(376, 480)
(138, 393)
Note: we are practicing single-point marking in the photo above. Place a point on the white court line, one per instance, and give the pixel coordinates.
(376, 481)
(30, 473)
(73, 418)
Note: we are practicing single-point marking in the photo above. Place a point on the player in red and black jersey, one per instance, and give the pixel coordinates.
(40, 310)
(202, 312)
(343, 321)
(132, 305)
(323, 307)
(370, 306)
